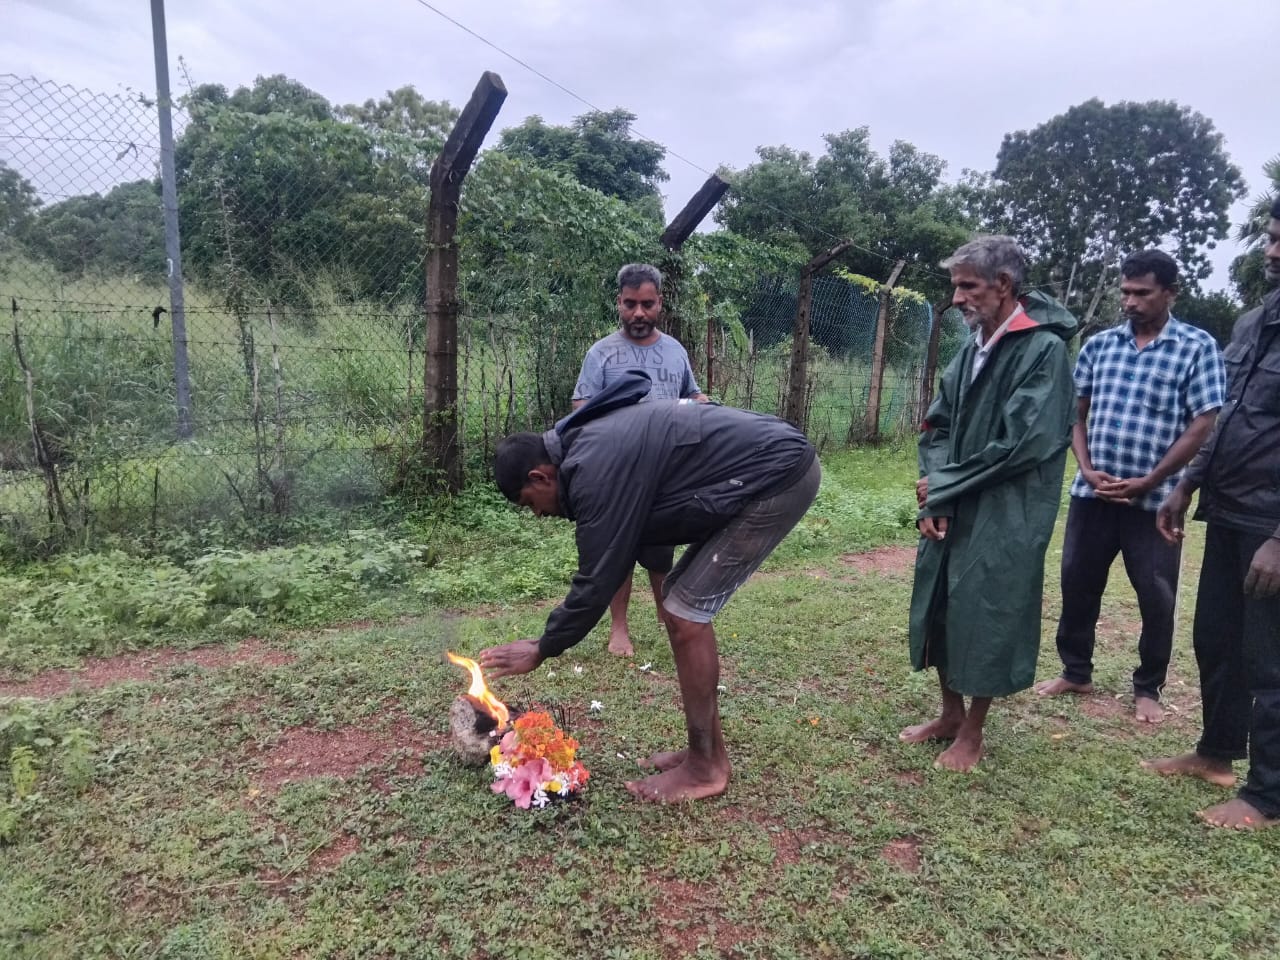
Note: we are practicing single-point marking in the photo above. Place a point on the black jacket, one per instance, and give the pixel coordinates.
(1238, 468)
(658, 473)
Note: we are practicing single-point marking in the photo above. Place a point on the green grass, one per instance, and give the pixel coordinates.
(834, 840)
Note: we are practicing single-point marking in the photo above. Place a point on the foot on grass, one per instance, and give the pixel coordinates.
(1060, 685)
(944, 728)
(1237, 814)
(962, 756)
(1217, 772)
(664, 760)
(683, 782)
(620, 643)
(1147, 710)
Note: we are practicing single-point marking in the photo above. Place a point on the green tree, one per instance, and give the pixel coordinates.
(892, 208)
(1097, 182)
(406, 113)
(1214, 313)
(18, 202)
(120, 232)
(276, 189)
(599, 151)
(1247, 269)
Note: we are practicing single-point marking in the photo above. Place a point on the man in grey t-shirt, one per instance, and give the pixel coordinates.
(638, 344)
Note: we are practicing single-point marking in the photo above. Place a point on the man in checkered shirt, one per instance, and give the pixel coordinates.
(1148, 394)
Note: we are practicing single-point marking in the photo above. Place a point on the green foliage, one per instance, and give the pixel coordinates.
(121, 232)
(1097, 182)
(102, 602)
(1214, 313)
(598, 151)
(18, 203)
(274, 189)
(892, 208)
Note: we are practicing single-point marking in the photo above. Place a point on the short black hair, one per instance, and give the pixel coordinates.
(514, 457)
(1275, 207)
(1155, 262)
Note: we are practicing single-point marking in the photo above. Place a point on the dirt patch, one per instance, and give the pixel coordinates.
(690, 917)
(890, 561)
(903, 853)
(909, 778)
(304, 753)
(326, 858)
(143, 665)
(1102, 707)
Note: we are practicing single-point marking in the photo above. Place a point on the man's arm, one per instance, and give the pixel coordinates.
(1175, 458)
(590, 378)
(689, 382)
(1035, 420)
(1080, 445)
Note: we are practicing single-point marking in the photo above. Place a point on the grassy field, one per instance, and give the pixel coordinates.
(295, 795)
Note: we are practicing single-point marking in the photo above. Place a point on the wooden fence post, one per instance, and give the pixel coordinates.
(440, 380)
(793, 408)
(877, 354)
(931, 359)
(673, 237)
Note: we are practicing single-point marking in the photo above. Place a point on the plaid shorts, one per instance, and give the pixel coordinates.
(710, 572)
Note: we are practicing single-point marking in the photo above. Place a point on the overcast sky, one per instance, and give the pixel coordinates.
(711, 80)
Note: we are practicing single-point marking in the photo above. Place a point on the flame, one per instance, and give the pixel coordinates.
(495, 707)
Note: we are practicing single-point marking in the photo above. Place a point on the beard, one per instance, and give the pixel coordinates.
(972, 318)
(639, 329)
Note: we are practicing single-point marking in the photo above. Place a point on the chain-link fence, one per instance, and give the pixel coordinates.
(303, 243)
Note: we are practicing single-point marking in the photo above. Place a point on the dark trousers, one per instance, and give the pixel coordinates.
(1237, 644)
(1097, 531)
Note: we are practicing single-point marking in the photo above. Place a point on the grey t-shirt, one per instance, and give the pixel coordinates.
(665, 361)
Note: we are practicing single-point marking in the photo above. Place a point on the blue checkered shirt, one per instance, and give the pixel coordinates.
(1141, 401)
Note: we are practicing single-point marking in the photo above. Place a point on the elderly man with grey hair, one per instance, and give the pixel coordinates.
(992, 453)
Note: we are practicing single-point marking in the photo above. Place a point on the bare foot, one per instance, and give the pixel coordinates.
(1217, 772)
(1147, 710)
(620, 643)
(962, 756)
(666, 760)
(944, 728)
(1236, 814)
(1061, 685)
(681, 783)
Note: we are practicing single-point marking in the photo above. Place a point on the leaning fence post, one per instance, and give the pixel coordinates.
(440, 379)
(931, 359)
(172, 241)
(878, 354)
(794, 406)
(673, 238)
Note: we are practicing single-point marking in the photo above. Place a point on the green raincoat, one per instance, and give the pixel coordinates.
(994, 451)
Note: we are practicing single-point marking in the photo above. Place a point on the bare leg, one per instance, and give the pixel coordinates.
(704, 770)
(619, 636)
(948, 723)
(656, 580)
(1147, 710)
(1060, 685)
(965, 752)
(1217, 772)
(1237, 814)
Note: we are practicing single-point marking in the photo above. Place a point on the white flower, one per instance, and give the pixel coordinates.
(722, 688)
(646, 667)
(596, 706)
(577, 669)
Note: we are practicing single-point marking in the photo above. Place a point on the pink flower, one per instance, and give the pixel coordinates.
(524, 782)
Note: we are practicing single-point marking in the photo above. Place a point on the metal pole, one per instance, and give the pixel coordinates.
(172, 244)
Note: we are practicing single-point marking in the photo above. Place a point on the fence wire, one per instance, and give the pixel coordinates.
(303, 251)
